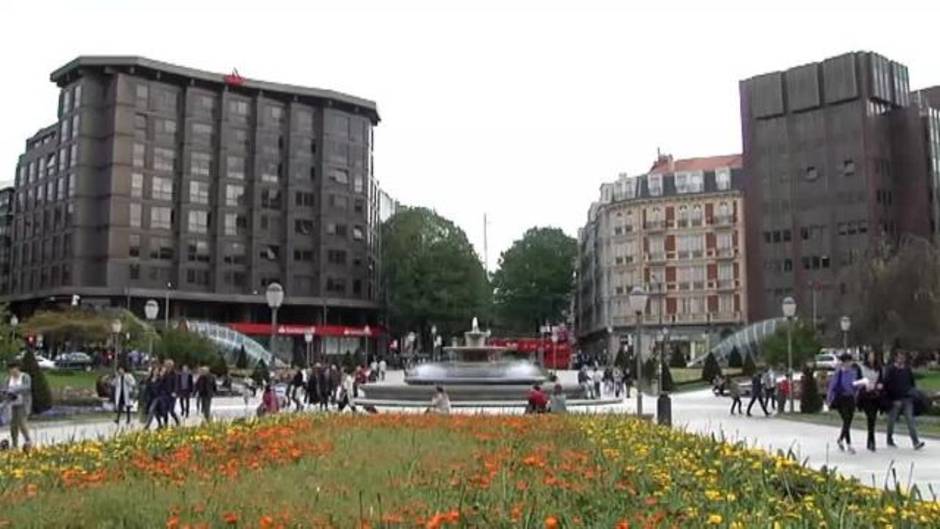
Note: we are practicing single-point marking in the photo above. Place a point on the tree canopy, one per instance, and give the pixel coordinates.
(431, 274)
(805, 345)
(534, 279)
(186, 348)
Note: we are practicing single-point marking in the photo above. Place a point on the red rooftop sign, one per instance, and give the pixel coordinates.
(233, 79)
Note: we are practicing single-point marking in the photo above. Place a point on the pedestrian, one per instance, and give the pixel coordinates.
(168, 392)
(269, 403)
(184, 385)
(869, 395)
(345, 392)
(313, 387)
(336, 380)
(558, 402)
(757, 393)
(841, 397)
(598, 378)
(584, 380)
(734, 389)
(151, 397)
(205, 391)
(323, 383)
(296, 386)
(537, 401)
(627, 381)
(783, 393)
(373, 370)
(618, 382)
(608, 380)
(899, 387)
(440, 402)
(383, 367)
(770, 387)
(122, 391)
(18, 394)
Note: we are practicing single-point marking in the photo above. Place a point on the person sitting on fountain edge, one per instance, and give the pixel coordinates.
(538, 400)
(440, 402)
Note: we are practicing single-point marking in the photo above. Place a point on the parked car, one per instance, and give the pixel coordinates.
(826, 361)
(44, 363)
(75, 360)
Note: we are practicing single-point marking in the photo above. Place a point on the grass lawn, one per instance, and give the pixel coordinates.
(927, 426)
(928, 380)
(683, 375)
(78, 380)
(432, 472)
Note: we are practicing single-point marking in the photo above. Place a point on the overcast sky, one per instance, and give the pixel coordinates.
(515, 109)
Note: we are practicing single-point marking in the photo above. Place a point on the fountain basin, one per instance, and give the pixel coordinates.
(498, 373)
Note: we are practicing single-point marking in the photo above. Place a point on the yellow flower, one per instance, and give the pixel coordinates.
(714, 519)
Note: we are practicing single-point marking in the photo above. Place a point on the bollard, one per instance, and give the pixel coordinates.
(664, 410)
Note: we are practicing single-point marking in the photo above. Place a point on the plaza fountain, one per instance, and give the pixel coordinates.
(475, 375)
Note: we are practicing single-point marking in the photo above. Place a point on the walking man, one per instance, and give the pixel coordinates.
(383, 367)
(841, 397)
(122, 389)
(734, 389)
(205, 390)
(18, 392)
(184, 389)
(757, 393)
(899, 386)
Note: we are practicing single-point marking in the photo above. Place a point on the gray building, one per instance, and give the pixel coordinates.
(837, 155)
(163, 180)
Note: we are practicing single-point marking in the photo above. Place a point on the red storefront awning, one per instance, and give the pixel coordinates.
(293, 329)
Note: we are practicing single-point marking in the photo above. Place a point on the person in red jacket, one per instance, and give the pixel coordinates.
(537, 401)
(269, 403)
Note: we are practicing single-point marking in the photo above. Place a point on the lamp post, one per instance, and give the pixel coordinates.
(116, 330)
(789, 311)
(308, 339)
(845, 323)
(166, 306)
(151, 309)
(663, 402)
(638, 300)
(554, 350)
(14, 321)
(275, 296)
(434, 342)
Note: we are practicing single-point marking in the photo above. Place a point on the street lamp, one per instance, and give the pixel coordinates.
(663, 403)
(151, 309)
(166, 306)
(789, 312)
(554, 350)
(845, 323)
(433, 342)
(116, 330)
(14, 321)
(638, 300)
(308, 339)
(275, 296)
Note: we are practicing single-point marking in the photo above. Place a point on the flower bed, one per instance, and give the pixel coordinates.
(434, 472)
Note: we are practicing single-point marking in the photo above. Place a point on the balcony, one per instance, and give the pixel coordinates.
(724, 221)
(656, 257)
(654, 225)
(726, 253)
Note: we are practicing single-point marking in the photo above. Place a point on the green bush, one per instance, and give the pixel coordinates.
(41, 393)
(734, 359)
(710, 369)
(811, 401)
(241, 361)
(186, 348)
(749, 367)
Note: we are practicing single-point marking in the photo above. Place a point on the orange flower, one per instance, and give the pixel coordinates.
(622, 524)
(551, 523)
(230, 518)
(173, 522)
(452, 516)
(266, 522)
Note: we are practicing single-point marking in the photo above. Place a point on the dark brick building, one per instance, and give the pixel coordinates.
(161, 179)
(838, 157)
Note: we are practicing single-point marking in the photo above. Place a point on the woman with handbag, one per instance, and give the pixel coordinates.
(869, 395)
(841, 397)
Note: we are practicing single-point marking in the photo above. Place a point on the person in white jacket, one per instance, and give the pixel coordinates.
(123, 386)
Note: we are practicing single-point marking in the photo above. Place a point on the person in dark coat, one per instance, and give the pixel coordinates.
(325, 389)
(869, 395)
(313, 386)
(899, 387)
(184, 385)
(152, 402)
(757, 393)
(169, 389)
(205, 390)
(296, 386)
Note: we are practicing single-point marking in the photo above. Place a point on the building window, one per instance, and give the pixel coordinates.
(655, 184)
(202, 132)
(198, 251)
(304, 120)
(360, 205)
(66, 100)
(339, 201)
(239, 138)
(357, 233)
(137, 185)
(723, 178)
(143, 95)
(333, 228)
(848, 167)
(140, 154)
(234, 195)
(199, 192)
(358, 185)
(336, 285)
(340, 176)
(161, 188)
(270, 252)
(164, 159)
(161, 248)
(303, 255)
(197, 277)
(234, 253)
(337, 257)
(140, 125)
(303, 226)
(271, 198)
(76, 126)
(238, 107)
(198, 222)
(134, 214)
(235, 224)
(166, 127)
(200, 164)
(166, 100)
(161, 218)
(271, 172)
(235, 167)
(303, 198)
(73, 156)
(338, 125)
(276, 115)
(133, 245)
(133, 271)
(811, 174)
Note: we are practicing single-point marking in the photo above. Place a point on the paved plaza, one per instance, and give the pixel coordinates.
(697, 411)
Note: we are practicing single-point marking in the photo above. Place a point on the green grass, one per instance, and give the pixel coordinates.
(76, 380)
(928, 380)
(685, 375)
(927, 426)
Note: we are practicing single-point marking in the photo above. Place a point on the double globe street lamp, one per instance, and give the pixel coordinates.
(845, 323)
(275, 297)
(638, 299)
(151, 310)
(116, 327)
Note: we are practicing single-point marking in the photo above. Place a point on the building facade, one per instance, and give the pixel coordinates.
(6, 230)
(164, 181)
(838, 158)
(678, 233)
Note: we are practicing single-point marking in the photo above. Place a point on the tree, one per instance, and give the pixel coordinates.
(710, 369)
(676, 358)
(534, 279)
(811, 400)
(734, 358)
(805, 345)
(749, 367)
(42, 395)
(186, 348)
(219, 368)
(81, 326)
(431, 274)
(260, 374)
(241, 362)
